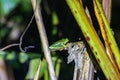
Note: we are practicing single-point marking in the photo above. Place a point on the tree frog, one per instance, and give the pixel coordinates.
(59, 45)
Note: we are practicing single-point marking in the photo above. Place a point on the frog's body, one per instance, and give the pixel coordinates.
(61, 44)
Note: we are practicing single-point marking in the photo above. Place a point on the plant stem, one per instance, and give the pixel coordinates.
(104, 34)
(8, 46)
(43, 38)
(111, 39)
(93, 40)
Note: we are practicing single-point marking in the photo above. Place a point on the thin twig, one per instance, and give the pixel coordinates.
(21, 38)
(8, 46)
(44, 40)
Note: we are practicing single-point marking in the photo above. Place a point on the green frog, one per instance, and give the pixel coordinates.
(59, 45)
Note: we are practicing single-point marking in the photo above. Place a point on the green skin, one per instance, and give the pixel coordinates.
(61, 44)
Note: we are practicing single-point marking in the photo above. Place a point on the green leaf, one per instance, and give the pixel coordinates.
(55, 20)
(34, 66)
(10, 56)
(43, 67)
(2, 55)
(34, 55)
(23, 57)
(26, 5)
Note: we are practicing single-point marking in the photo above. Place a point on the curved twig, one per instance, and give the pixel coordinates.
(21, 38)
(8, 46)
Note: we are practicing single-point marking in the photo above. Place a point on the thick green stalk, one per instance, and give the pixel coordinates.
(93, 40)
(111, 38)
(104, 34)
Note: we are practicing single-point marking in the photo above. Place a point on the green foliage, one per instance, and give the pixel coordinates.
(34, 63)
(10, 56)
(32, 68)
(3, 32)
(2, 55)
(8, 11)
(22, 57)
(6, 6)
(26, 5)
(55, 19)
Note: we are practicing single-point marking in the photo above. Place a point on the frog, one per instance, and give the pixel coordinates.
(59, 45)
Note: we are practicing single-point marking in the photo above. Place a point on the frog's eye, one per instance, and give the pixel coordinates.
(59, 44)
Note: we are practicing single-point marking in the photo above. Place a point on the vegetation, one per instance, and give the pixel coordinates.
(79, 32)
